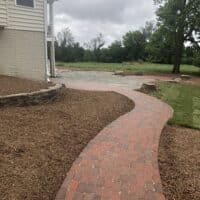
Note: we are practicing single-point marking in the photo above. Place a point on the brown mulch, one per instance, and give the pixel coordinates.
(38, 144)
(179, 161)
(12, 85)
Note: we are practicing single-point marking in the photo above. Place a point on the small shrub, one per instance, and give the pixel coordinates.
(126, 63)
(187, 61)
(196, 61)
(128, 68)
(140, 61)
(60, 64)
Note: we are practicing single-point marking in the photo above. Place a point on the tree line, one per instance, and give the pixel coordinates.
(173, 39)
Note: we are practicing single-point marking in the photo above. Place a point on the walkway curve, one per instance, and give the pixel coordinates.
(120, 163)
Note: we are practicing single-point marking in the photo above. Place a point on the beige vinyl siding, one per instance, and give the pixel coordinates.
(22, 41)
(3, 12)
(22, 54)
(25, 18)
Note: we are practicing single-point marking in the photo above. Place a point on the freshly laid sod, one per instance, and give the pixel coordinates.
(38, 144)
(184, 99)
(132, 66)
(179, 148)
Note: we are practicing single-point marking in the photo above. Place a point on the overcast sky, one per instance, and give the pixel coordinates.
(112, 18)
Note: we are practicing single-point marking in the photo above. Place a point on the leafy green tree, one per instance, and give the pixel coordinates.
(196, 60)
(159, 49)
(96, 45)
(148, 30)
(66, 49)
(188, 55)
(116, 52)
(88, 55)
(77, 52)
(65, 38)
(113, 54)
(134, 43)
(105, 56)
(181, 21)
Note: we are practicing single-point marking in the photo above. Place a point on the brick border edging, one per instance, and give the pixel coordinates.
(129, 146)
(32, 98)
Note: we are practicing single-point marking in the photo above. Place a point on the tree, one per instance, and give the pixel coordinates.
(88, 55)
(159, 49)
(113, 53)
(116, 52)
(95, 45)
(189, 54)
(65, 38)
(77, 52)
(181, 21)
(196, 60)
(134, 43)
(66, 49)
(148, 30)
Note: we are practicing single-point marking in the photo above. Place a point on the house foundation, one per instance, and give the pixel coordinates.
(22, 54)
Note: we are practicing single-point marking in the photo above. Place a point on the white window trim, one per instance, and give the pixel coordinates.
(27, 7)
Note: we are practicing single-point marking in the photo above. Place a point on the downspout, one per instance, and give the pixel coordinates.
(51, 23)
(45, 40)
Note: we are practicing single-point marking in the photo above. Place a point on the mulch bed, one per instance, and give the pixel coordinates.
(11, 85)
(38, 144)
(179, 160)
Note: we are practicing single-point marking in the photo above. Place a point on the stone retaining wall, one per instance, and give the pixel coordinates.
(33, 98)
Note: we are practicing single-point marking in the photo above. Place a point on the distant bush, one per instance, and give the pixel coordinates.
(187, 60)
(196, 60)
(140, 61)
(60, 64)
(128, 68)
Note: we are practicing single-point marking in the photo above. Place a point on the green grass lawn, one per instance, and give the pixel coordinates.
(132, 66)
(184, 99)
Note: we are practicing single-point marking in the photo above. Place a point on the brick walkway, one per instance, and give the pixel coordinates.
(120, 163)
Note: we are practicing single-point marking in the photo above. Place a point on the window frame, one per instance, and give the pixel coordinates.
(22, 6)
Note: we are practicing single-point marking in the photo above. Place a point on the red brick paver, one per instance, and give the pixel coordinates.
(120, 163)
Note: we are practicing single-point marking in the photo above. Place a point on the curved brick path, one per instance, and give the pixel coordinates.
(120, 163)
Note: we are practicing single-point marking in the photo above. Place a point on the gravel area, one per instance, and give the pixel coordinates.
(11, 85)
(38, 144)
(179, 160)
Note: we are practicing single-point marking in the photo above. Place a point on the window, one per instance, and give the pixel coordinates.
(27, 3)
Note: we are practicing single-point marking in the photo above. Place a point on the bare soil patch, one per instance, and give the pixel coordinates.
(193, 81)
(179, 161)
(12, 85)
(38, 144)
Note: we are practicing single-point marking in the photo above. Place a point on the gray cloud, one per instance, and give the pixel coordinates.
(112, 18)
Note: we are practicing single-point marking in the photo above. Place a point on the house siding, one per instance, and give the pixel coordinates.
(22, 54)
(22, 18)
(3, 12)
(22, 41)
